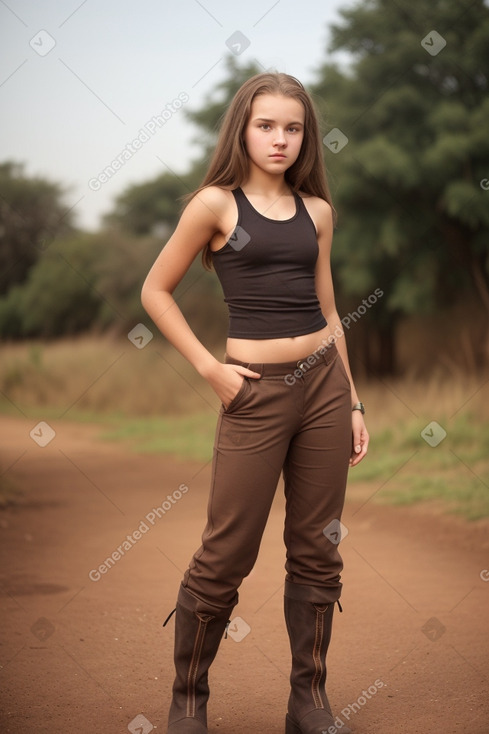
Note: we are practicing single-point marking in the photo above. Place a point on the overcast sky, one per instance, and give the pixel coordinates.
(80, 80)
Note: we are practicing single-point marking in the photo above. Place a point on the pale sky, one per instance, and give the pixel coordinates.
(79, 80)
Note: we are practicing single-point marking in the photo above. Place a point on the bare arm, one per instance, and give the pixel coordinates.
(324, 287)
(199, 222)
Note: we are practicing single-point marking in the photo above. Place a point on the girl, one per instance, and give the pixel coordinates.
(263, 218)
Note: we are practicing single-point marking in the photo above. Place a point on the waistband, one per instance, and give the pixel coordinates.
(322, 355)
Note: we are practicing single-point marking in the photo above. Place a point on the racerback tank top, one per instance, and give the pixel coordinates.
(267, 274)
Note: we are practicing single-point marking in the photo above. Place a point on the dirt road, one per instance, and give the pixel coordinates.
(83, 649)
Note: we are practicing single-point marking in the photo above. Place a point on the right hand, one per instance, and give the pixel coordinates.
(226, 380)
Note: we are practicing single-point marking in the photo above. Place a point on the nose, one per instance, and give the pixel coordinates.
(280, 138)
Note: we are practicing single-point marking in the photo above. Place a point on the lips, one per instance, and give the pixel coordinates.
(278, 155)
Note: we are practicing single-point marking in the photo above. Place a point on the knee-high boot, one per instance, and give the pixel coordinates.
(309, 628)
(198, 632)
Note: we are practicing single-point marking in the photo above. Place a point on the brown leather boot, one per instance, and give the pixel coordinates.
(309, 628)
(198, 632)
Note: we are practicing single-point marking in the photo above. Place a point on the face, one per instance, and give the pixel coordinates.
(274, 133)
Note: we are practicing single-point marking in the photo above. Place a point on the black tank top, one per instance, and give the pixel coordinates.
(267, 274)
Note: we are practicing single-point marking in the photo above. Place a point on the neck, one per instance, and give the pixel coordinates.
(260, 182)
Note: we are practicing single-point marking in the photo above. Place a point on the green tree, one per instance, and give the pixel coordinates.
(122, 264)
(152, 207)
(58, 296)
(32, 215)
(413, 104)
(85, 282)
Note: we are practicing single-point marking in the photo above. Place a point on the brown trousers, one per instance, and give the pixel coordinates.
(295, 418)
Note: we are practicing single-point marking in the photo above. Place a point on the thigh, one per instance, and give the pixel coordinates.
(249, 452)
(315, 476)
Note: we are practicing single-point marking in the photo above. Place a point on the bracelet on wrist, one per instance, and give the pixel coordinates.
(360, 407)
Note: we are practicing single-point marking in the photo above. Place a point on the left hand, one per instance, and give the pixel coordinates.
(360, 438)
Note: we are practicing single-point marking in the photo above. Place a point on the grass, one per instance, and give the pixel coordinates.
(188, 437)
(400, 465)
(408, 470)
(151, 400)
(74, 376)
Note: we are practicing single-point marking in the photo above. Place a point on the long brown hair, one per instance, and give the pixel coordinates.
(229, 166)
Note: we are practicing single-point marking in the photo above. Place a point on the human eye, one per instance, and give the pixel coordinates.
(264, 126)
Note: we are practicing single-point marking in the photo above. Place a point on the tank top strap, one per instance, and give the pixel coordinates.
(239, 195)
(241, 202)
(299, 203)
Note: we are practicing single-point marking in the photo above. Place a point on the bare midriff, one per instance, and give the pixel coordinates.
(286, 349)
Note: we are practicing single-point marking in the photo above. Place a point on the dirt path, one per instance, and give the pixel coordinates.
(84, 655)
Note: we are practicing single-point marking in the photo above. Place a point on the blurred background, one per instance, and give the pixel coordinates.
(109, 116)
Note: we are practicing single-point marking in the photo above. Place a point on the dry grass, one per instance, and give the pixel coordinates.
(155, 401)
(100, 375)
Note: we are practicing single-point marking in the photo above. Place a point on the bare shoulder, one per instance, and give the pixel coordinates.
(213, 198)
(319, 210)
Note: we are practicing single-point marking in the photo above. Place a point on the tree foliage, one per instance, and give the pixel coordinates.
(411, 186)
(31, 216)
(152, 207)
(413, 215)
(87, 281)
